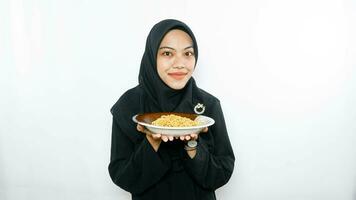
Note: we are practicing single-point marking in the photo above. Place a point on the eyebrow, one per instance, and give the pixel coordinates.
(166, 47)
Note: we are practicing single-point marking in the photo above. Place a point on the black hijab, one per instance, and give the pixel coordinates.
(158, 97)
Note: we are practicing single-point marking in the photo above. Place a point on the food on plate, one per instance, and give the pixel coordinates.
(174, 121)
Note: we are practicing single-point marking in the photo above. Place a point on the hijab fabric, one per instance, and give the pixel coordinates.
(159, 97)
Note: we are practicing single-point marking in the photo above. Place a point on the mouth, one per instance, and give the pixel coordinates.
(177, 75)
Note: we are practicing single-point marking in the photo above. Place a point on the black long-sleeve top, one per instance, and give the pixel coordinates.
(169, 173)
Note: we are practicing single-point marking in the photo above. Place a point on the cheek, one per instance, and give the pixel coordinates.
(162, 67)
(163, 64)
(191, 65)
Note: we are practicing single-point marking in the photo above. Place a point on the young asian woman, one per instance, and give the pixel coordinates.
(158, 166)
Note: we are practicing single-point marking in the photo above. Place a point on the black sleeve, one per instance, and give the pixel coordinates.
(134, 166)
(213, 163)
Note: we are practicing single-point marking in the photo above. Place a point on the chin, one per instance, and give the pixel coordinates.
(177, 86)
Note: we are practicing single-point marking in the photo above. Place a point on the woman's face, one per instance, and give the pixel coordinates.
(175, 59)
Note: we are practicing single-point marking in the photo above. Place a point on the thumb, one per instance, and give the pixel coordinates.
(205, 130)
(140, 128)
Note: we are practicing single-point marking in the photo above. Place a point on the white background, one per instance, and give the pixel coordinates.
(283, 70)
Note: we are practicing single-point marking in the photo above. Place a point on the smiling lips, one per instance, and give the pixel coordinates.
(177, 75)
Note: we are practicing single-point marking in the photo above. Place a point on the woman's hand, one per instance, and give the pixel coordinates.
(155, 136)
(165, 138)
(153, 139)
(191, 153)
(193, 136)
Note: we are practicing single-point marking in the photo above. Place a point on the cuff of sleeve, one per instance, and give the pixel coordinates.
(199, 158)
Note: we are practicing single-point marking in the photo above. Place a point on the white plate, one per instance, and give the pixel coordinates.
(204, 121)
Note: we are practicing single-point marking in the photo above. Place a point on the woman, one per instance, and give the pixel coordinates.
(153, 166)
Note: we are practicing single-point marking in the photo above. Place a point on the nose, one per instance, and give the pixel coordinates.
(178, 66)
(179, 62)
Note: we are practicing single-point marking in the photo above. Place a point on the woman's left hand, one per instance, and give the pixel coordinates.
(193, 136)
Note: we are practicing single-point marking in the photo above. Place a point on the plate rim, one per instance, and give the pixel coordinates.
(212, 122)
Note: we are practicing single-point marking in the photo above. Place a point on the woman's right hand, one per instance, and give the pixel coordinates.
(153, 139)
(155, 136)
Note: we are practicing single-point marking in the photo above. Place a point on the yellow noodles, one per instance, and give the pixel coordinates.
(174, 121)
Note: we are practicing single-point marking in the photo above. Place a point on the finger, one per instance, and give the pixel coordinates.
(140, 128)
(194, 136)
(187, 137)
(181, 137)
(170, 138)
(205, 130)
(156, 136)
(164, 138)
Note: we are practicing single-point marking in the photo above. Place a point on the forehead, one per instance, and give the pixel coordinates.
(176, 37)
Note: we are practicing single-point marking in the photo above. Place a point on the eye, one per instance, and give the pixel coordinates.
(167, 53)
(189, 53)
